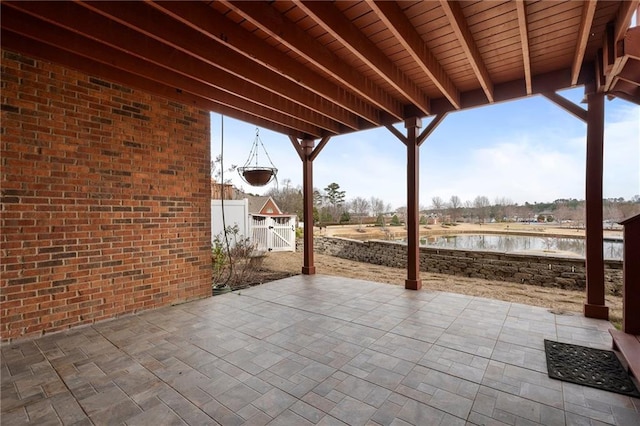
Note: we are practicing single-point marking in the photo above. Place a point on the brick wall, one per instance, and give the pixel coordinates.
(105, 199)
(543, 270)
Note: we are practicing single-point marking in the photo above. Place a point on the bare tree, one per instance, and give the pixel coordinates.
(630, 208)
(481, 204)
(377, 206)
(437, 203)
(500, 208)
(579, 214)
(318, 197)
(612, 213)
(288, 198)
(454, 205)
(563, 212)
(468, 209)
(359, 207)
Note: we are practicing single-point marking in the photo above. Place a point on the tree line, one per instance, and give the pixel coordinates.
(331, 205)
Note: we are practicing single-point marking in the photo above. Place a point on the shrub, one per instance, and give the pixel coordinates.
(233, 258)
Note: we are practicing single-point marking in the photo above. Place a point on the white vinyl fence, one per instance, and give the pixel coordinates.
(274, 233)
(268, 233)
(236, 213)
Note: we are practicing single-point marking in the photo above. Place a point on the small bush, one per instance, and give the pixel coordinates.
(232, 256)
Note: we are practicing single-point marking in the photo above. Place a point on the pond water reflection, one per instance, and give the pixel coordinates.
(520, 243)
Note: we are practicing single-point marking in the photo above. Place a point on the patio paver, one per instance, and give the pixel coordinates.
(311, 350)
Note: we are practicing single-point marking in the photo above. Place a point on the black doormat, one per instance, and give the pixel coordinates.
(589, 367)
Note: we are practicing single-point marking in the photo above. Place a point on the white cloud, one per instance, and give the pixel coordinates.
(541, 165)
(622, 153)
(539, 162)
(364, 166)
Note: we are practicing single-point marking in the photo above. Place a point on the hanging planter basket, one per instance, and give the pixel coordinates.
(257, 176)
(253, 173)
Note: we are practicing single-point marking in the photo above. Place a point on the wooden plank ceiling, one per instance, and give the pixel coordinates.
(316, 69)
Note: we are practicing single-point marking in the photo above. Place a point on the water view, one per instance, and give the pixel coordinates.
(521, 243)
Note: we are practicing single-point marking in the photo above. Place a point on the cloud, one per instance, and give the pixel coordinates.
(622, 153)
(366, 165)
(520, 159)
(541, 165)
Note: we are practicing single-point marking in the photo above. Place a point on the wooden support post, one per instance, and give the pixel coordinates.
(413, 142)
(413, 281)
(595, 303)
(631, 276)
(307, 154)
(308, 267)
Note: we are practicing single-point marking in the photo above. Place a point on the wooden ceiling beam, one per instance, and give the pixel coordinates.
(567, 105)
(588, 12)
(286, 32)
(396, 21)
(335, 23)
(163, 73)
(542, 83)
(623, 18)
(616, 55)
(629, 97)
(51, 35)
(84, 23)
(212, 24)
(435, 122)
(625, 74)
(521, 8)
(154, 24)
(458, 22)
(258, 116)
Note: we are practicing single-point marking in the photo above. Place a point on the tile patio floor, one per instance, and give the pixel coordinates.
(311, 350)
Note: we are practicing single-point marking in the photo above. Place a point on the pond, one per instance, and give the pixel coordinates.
(521, 243)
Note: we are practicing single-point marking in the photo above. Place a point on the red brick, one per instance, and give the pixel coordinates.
(113, 232)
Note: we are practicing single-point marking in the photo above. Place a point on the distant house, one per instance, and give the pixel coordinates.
(546, 216)
(257, 217)
(272, 230)
(264, 205)
(432, 219)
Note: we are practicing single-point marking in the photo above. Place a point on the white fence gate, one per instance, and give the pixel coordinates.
(273, 233)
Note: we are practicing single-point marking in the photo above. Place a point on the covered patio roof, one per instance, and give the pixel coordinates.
(319, 69)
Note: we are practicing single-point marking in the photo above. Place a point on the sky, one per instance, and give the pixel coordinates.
(529, 150)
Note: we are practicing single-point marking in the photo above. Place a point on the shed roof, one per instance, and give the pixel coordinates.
(257, 203)
(317, 69)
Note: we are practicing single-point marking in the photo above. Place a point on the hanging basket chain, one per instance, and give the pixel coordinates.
(264, 149)
(257, 175)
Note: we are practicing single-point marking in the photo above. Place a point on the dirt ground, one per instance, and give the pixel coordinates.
(560, 301)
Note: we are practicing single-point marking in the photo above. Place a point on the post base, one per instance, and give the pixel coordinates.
(413, 284)
(596, 311)
(308, 270)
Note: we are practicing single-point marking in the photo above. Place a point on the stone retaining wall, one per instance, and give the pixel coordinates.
(540, 270)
